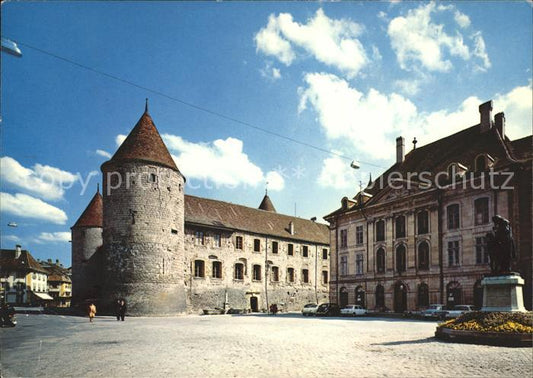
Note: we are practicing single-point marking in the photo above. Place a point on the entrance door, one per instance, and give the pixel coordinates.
(253, 304)
(360, 296)
(400, 297)
(343, 298)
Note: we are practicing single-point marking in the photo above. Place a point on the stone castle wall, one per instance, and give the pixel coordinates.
(85, 242)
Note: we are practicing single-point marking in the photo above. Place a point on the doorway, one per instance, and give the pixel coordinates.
(343, 298)
(400, 297)
(254, 306)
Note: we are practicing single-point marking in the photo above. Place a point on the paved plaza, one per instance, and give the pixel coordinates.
(286, 345)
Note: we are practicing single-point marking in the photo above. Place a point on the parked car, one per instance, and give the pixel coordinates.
(457, 311)
(353, 310)
(309, 309)
(328, 309)
(434, 311)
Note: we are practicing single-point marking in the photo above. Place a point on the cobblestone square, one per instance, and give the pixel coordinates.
(287, 345)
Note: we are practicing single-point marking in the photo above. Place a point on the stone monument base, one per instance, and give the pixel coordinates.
(503, 293)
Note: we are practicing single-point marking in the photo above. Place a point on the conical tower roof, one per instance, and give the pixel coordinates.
(93, 214)
(145, 144)
(266, 204)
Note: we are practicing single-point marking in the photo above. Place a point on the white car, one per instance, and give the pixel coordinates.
(458, 310)
(309, 309)
(353, 310)
(434, 311)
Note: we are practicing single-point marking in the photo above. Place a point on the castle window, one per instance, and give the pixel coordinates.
(400, 226)
(305, 251)
(238, 273)
(324, 277)
(290, 274)
(305, 275)
(380, 260)
(199, 238)
(359, 263)
(422, 220)
(400, 258)
(290, 249)
(238, 242)
(216, 269)
(344, 265)
(344, 238)
(174, 232)
(275, 247)
(257, 245)
(481, 211)
(275, 274)
(199, 268)
(324, 254)
(153, 177)
(423, 256)
(256, 273)
(452, 212)
(453, 253)
(380, 230)
(217, 240)
(482, 256)
(359, 235)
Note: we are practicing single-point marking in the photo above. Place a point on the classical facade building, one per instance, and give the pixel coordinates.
(417, 235)
(166, 252)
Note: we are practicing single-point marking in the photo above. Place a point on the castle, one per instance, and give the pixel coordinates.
(167, 253)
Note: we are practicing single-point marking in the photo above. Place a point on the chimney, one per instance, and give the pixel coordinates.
(499, 123)
(18, 251)
(400, 149)
(291, 228)
(485, 111)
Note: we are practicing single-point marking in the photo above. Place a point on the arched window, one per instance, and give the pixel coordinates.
(400, 226)
(360, 296)
(400, 258)
(481, 211)
(343, 297)
(380, 296)
(380, 230)
(423, 295)
(380, 260)
(422, 222)
(481, 163)
(423, 256)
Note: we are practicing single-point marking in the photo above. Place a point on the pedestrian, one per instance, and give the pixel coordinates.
(92, 312)
(122, 309)
(117, 309)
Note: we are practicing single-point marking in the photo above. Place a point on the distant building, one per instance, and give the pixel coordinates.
(166, 252)
(24, 281)
(416, 235)
(59, 283)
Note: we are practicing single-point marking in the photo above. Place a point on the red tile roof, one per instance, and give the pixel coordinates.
(93, 214)
(25, 262)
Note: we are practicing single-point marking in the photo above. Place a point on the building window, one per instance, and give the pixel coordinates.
(380, 230)
(216, 271)
(359, 263)
(481, 211)
(344, 238)
(290, 274)
(239, 271)
(238, 242)
(324, 254)
(305, 251)
(199, 238)
(380, 297)
(400, 226)
(257, 245)
(359, 235)
(217, 240)
(275, 247)
(344, 266)
(452, 212)
(481, 163)
(423, 256)
(275, 274)
(422, 222)
(324, 277)
(482, 257)
(380, 260)
(400, 258)
(423, 295)
(199, 268)
(256, 273)
(153, 177)
(290, 249)
(453, 253)
(305, 275)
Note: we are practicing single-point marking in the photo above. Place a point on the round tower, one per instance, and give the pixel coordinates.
(86, 237)
(144, 225)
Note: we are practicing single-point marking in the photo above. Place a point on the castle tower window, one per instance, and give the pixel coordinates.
(380, 260)
(324, 254)
(275, 274)
(481, 210)
(256, 273)
(199, 268)
(344, 266)
(344, 238)
(153, 177)
(238, 273)
(217, 240)
(422, 222)
(305, 251)
(359, 235)
(216, 271)
(453, 253)
(452, 212)
(305, 275)
(482, 256)
(290, 274)
(238, 242)
(400, 226)
(199, 238)
(290, 249)
(275, 247)
(359, 263)
(423, 256)
(257, 245)
(325, 277)
(400, 258)
(380, 230)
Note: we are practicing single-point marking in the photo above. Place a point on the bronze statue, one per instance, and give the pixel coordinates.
(500, 246)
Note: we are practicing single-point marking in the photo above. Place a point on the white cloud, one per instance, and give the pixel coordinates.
(44, 181)
(27, 206)
(336, 173)
(416, 38)
(119, 139)
(270, 72)
(103, 153)
(275, 181)
(11, 238)
(332, 42)
(54, 237)
(518, 112)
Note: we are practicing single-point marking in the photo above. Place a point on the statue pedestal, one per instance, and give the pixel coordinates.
(503, 293)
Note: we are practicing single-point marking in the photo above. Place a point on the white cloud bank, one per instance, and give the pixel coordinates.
(54, 237)
(26, 206)
(332, 42)
(336, 173)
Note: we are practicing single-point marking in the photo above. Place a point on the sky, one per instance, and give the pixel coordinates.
(247, 96)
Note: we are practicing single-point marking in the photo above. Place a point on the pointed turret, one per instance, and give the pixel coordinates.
(266, 204)
(93, 214)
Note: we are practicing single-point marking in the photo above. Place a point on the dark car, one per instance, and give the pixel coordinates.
(328, 309)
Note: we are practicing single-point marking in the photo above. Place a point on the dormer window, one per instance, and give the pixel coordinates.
(483, 162)
(456, 170)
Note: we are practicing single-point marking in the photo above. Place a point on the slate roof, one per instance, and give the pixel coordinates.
(25, 262)
(523, 148)
(266, 204)
(224, 215)
(93, 215)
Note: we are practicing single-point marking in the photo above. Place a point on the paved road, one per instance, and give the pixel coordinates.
(245, 346)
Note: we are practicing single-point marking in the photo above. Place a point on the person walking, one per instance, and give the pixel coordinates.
(122, 309)
(92, 312)
(118, 306)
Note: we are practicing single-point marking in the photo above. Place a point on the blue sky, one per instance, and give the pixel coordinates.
(345, 77)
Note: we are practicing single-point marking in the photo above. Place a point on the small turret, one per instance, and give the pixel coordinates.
(266, 204)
